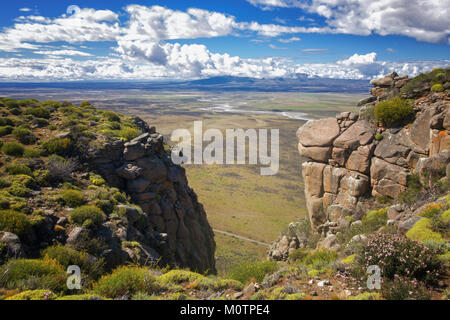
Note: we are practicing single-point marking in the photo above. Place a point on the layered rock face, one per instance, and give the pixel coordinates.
(145, 171)
(346, 165)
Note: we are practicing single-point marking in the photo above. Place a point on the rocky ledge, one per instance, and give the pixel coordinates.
(350, 160)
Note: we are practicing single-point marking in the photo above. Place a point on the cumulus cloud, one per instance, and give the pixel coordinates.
(424, 20)
(83, 25)
(158, 23)
(141, 51)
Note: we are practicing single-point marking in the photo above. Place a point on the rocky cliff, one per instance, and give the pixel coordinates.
(145, 171)
(352, 160)
(98, 182)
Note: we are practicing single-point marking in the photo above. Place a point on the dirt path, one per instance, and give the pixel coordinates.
(241, 237)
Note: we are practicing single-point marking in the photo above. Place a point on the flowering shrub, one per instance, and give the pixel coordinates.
(399, 256)
(402, 288)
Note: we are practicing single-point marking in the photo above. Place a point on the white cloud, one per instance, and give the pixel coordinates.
(293, 39)
(83, 25)
(424, 20)
(142, 53)
(25, 9)
(272, 46)
(64, 53)
(159, 23)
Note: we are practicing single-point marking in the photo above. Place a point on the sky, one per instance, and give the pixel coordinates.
(176, 40)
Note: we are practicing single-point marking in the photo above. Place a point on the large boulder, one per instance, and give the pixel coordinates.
(321, 154)
(318, 133)
(359, 134)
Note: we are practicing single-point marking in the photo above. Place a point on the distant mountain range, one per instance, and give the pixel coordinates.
(222, 83)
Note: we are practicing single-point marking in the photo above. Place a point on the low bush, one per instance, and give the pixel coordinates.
(72, 198)
(32, 274)
(423, 231)
(59, 146)
(19, 190)
(15, 222)
(68, 256)
(81, 214)
(256, 271)
(60, 169)
(404, 288)
(24, 135)
(38, 112)
(125, 281)
(5, 130)
(14, 169)
(31, 153)
(393, 112)
(398, 255)
(437, 88)
(4, 183)
(111, 116)
(13, 149)
(320, 259)
(34, 295)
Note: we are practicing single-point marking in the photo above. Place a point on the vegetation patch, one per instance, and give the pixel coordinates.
(393, 112)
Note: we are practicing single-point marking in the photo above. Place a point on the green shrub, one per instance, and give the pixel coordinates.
(18, 169)
(423, 231)
(15, 222)
(298, 254)
(5, 130)
(13, 149)
(42, 177)
(81, 214)
(378, 137)
(129, 133)
(33, 295)
(59, 146)
(320, 259)
(437, 88)
(4, 183)
(37, 112)
(393, 111)
(67, 256)
(97, 180)
(125, 281)
(32, 274)
(31, 153)
(73, 198)
(111, 116)
(15, 111)
(24, 135)
(19, 190)
(247, 271)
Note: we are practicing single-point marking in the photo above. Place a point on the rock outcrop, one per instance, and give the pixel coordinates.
(346, 165)
(145, 171)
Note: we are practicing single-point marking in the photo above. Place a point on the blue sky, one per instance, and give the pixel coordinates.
(145, 40)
